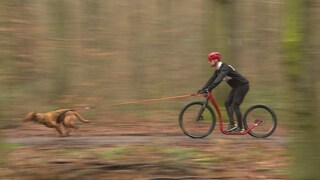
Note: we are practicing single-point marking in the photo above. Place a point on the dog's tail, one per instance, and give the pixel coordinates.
(81, 118)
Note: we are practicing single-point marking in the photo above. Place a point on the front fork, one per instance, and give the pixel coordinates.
(199, 115)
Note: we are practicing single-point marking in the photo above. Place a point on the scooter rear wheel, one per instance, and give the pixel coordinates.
(263, 114)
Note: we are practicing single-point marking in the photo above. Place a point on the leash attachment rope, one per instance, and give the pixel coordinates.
(151, 100)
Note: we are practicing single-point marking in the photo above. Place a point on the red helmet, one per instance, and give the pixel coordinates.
(214, 55)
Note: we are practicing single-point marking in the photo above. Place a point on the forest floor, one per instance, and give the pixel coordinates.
(140, 151)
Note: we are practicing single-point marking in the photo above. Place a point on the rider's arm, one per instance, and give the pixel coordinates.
(220, 76)
(210, 81)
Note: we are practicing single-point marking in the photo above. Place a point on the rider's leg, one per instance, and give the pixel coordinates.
(229, 108)
(240, 93)
(237, 111)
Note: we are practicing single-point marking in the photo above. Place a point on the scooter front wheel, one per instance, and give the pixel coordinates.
(197, 120)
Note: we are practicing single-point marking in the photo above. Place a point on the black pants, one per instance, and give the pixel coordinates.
(233, 102)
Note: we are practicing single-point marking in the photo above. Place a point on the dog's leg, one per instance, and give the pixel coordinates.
(58, 128)
(68, 131)
(74, 127)
(69, 123)
(70, 127)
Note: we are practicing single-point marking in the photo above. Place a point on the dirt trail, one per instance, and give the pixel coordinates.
(140, 139)
(150, 152)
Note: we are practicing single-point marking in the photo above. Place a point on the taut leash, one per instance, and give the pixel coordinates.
(82, 108)
(151, 100)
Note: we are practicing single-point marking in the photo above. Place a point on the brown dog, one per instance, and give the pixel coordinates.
(54, 119)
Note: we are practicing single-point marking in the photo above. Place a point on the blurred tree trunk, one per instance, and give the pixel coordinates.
(16, 52)
(221, 34)
(221, 31)
(61, 57)
(303, 76)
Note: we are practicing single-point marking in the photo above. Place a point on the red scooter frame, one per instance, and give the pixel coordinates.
(210, 97)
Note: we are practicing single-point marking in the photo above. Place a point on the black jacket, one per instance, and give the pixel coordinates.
(228, 73)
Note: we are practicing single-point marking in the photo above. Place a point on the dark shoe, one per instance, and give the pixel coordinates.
(238, 130)
(231, 127)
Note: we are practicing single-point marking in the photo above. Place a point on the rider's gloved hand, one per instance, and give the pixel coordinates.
(200, 91)
(206, 90)
(203, 91)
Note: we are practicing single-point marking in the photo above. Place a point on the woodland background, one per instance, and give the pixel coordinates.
(58, 54)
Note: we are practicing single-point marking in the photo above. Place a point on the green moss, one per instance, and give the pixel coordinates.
(115, 152)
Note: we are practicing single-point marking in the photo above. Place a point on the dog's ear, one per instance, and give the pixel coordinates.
(29, 117)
